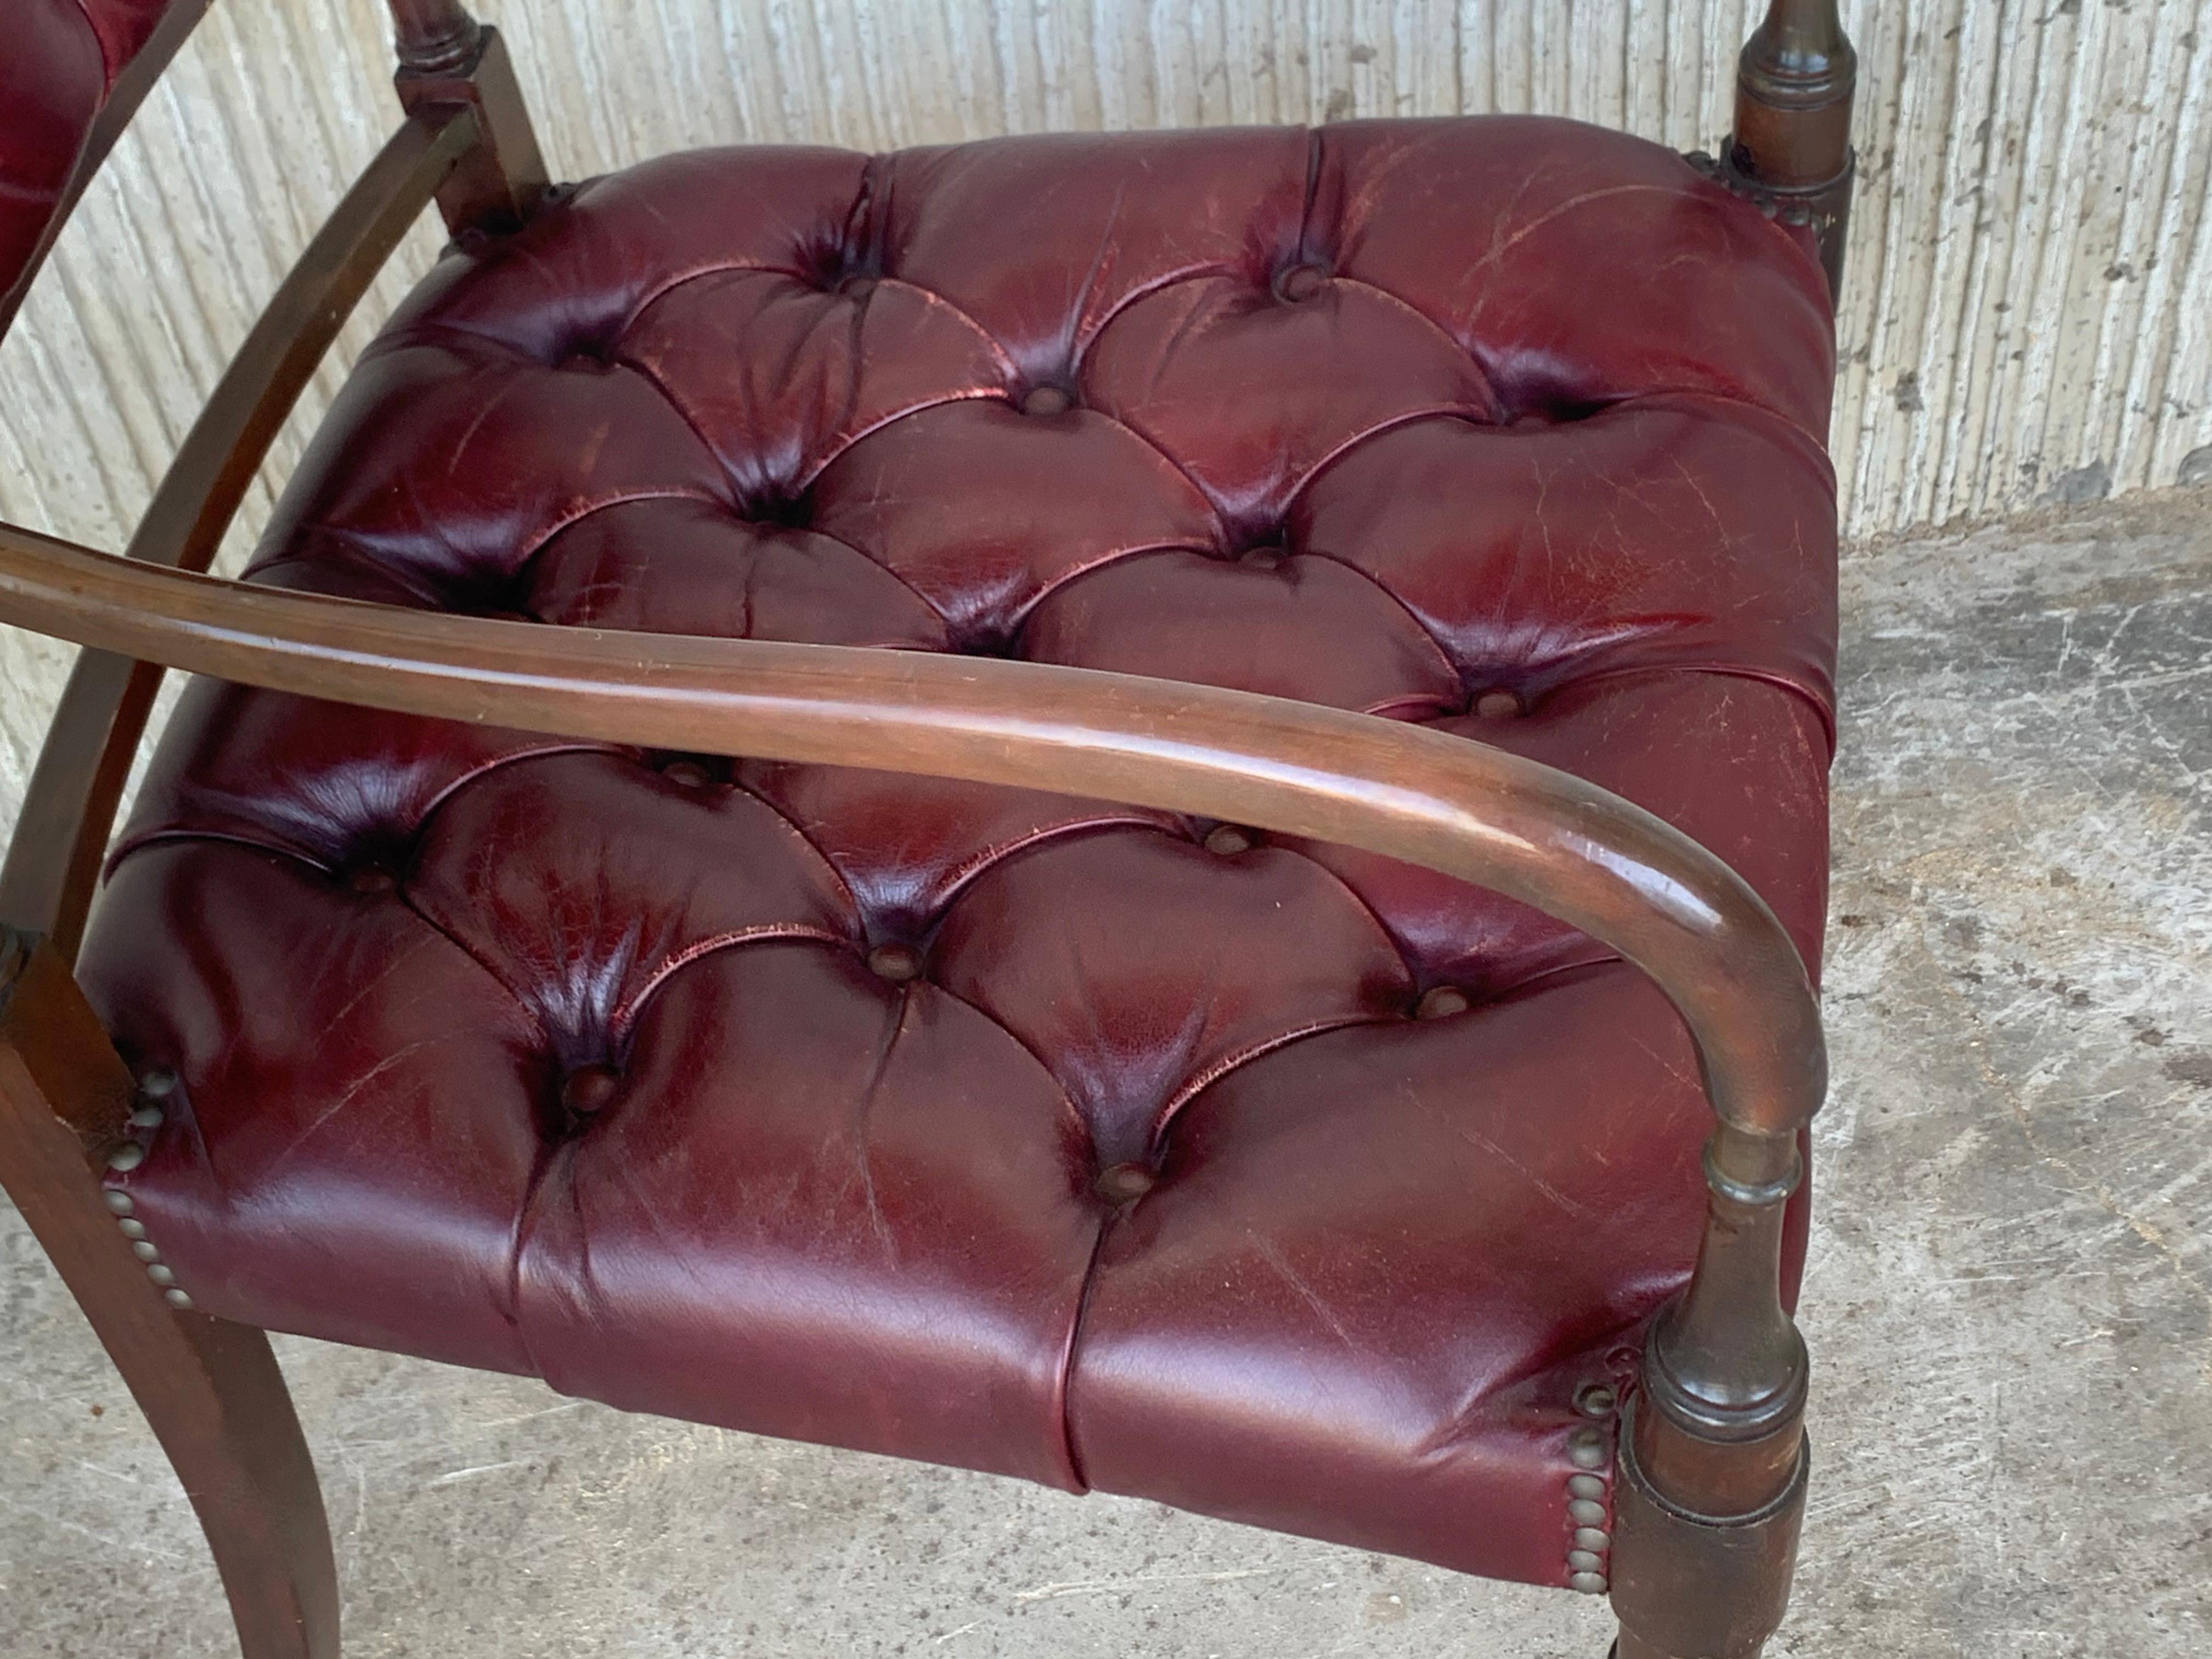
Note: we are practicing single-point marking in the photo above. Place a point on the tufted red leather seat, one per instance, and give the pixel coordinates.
(1008, 1130)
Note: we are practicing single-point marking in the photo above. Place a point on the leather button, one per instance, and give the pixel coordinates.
(1043, 400)
(371, 881)
(1440, 1002)
(1498, 705)
(1266, 558)
(1301, 283)
(1228, 840)
(1125, 1183)
(689, 773)
(590, 1089)
(896, 962)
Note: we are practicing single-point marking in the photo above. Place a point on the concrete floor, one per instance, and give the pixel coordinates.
(2010, 1301)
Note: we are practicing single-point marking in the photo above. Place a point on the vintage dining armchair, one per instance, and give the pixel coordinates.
(1146, 810)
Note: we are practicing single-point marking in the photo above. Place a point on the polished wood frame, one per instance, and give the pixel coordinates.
(1711, 1460)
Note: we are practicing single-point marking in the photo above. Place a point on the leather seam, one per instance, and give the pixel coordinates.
(592, 509)
(1028, 608)
(792, 826)
(1191, 273)
(1198, 1082)
(1080, 1123)
(1071, 1346)
(134, 843)
(962, 876)
(623, 1024)
(1732, 671)
(1443, 655)
(1496, 414)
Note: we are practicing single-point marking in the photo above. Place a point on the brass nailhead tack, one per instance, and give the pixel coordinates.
(1585, 1561)
(1596, 1400)
(158, 1084)
(120, 1202)
(1125, 1183)
(127, 1157)
(1440, 1002)
(177, 1298)
(1586, 1448)
(896, 962)
(1594, 1539)
(1585, 1486)
(146, 1117)
(1585, 1512)
(144, 1251)
(589, 1089)
(131, 1228)
(1589, 1584)
(159, 1274)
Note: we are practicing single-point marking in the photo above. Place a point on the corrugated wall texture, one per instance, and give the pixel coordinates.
(2029, 316)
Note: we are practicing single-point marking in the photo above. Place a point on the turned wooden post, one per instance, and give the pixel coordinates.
(1712, 1460)
(446, 57)
(1709, 1478)
(1796, 81)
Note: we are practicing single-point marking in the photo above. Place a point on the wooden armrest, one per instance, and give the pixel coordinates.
(1464, 808)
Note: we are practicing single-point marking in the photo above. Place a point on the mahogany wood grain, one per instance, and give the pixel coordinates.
(53, 864)
(211, 1389)
(447, 57)
(435, 36)
(1795, 83)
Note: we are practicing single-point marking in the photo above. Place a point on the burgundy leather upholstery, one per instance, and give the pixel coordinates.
(779, 1096)
(57, 67)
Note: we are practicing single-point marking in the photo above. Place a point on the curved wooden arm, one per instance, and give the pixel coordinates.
(1530, 831)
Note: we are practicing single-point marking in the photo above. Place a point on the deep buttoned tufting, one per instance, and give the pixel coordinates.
(1036, 1134)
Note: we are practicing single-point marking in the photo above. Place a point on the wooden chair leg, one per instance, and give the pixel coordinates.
(211, 1389)
(1710, 1582)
